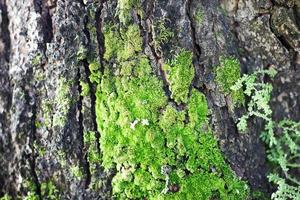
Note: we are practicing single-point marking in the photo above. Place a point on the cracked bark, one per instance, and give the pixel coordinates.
(53, 31)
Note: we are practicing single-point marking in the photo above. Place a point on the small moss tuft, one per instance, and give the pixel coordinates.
(76, 171)
(85, 88)
(180, 73)
(227, 74)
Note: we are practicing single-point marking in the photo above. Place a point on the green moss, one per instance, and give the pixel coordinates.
(125, 48)
(82, 53)
(141, 133)
(91, 142)
(85, 88)
(48, 191)
(62, 101)
(162, 33)
(227, 74)
(180, 73)
(39, 149)
(76, 171)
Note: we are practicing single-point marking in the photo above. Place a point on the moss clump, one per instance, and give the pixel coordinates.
(180, 73)
(142, 134)
(227, 74)
(85, 88)
(125, 48)
(62, 102)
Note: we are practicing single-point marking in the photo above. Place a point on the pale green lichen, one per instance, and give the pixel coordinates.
(180, 74)
(46, 110)
(36, 60)
(141, 133)
(227, 74)
(62, 102)
(199, 16)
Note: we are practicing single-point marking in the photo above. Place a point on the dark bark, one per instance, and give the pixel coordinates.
(40, 78)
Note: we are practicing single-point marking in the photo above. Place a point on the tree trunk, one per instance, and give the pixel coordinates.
(55, 54)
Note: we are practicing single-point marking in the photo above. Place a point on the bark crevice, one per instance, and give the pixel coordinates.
(32, 159)
(84, 159)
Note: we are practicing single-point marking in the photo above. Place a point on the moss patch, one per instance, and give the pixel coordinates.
(142, 134)
(227, 74)
(180, 73)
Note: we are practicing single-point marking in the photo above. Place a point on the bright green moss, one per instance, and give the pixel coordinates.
(227, 74)
(180, 73)
(141, 133)
(62, 101)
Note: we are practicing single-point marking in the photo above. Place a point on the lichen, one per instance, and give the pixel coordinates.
(62, 102)
(142, 133)
(227, 74)
(180, 73)
(199, 16)
(36, 59)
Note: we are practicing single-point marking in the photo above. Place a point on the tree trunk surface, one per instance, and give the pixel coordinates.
(44, 72)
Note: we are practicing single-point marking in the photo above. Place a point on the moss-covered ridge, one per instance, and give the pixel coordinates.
(159, 152)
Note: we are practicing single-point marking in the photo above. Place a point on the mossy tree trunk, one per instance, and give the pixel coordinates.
(54, 55)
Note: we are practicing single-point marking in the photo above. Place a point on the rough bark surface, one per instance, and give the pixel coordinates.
(43, 116)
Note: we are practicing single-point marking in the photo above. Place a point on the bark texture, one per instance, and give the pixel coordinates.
(43, 116)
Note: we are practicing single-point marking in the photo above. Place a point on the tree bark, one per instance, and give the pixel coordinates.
(44, 116)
